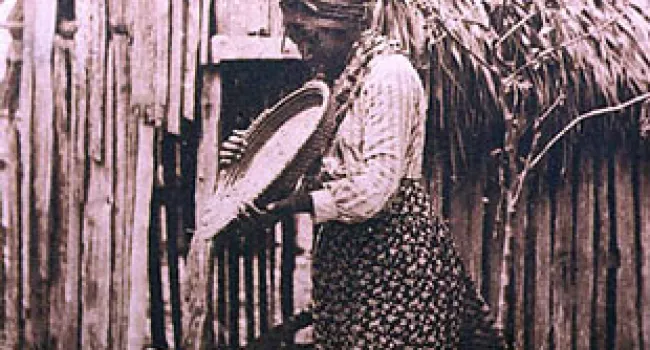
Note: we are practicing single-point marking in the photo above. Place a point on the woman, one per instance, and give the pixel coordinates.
(386, 273)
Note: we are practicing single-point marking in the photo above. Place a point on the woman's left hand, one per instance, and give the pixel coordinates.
(250, 216)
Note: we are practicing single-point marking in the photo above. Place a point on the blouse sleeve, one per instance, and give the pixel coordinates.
(389, 98)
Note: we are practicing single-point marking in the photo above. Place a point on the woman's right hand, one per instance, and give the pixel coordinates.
(233, 148)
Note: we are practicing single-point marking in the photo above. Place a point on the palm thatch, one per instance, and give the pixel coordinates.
(506, 62)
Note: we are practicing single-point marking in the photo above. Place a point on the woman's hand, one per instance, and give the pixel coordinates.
(233, 148)
(250, 216)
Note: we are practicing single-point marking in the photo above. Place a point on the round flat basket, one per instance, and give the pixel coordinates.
(282, 143)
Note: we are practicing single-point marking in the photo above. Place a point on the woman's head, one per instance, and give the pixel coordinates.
(325, 30)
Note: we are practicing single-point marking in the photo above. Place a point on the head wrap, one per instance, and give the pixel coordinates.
(397, 20)
(344, 10)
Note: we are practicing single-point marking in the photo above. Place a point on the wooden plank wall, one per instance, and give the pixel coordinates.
(580, 257)
(88, 254)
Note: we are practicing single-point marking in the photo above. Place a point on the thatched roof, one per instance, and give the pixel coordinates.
(496, 60)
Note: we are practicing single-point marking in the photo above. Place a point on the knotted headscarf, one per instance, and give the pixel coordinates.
(397, 20)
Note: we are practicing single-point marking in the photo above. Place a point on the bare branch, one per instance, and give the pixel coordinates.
(580, 118)
(563, 45)
(515, 27)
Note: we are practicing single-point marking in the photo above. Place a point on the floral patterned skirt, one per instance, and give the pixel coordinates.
(396, 281)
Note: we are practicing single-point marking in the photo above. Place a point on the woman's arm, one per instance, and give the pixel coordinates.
(391, 94)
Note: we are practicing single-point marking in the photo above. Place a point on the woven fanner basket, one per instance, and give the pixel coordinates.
(282, 143)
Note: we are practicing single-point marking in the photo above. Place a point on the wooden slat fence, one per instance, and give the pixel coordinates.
(580, 267)
(111, 113)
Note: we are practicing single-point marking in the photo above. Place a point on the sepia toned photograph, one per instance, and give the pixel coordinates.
(324, 174)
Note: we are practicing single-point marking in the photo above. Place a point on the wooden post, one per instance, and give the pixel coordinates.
(142, 80)
(197, 322)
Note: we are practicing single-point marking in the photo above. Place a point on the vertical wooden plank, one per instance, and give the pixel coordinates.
(98, 216)
(644, 214)
(174, 204)
(222, 297)
(233, 292)
(176, 57)
(475, 218)
(495, 257)
(25, 170)
(142, 80)
(208, 152)
(249, 287)
(222, 13)
(274, 278)
(10, 183)
(435, 186)
(77, 150)
(117, 91)
(9, 230)
(156, 256)
(275, 25)
(119, 67)
(190, 70)
(518, 308)
(287, 268)
(466, 223)
(540, 218)
(598, 322)
(138, 332)
(197, 324)
(458, 220)
(262, 281)
(62, 160)
(36, 110)
(205, 31)
(584, 244)
(162, 31)
(562, 287)
(627, 327)
(97, 70)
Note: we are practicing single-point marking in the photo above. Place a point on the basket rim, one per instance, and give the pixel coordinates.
(257, 135)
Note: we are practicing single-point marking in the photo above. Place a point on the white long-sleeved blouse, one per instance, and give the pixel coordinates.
(379, 142)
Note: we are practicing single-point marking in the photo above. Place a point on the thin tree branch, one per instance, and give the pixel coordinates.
(515, 27)
(552, 49)
(580, 118)
(524, 172)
